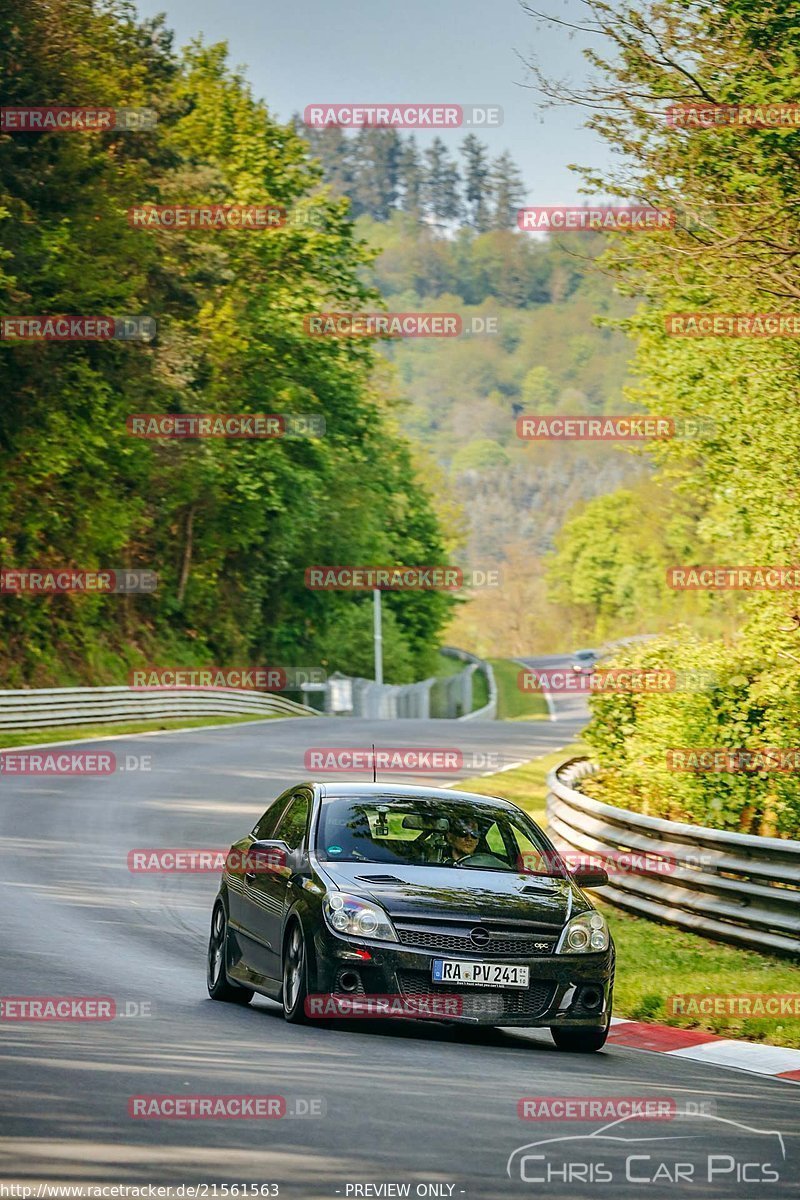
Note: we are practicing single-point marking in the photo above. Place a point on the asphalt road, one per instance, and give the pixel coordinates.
(564, 706)
(397, 1103)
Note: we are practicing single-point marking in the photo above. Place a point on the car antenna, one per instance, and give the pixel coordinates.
(374, 771)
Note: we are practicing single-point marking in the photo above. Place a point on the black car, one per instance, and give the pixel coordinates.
(379, 889)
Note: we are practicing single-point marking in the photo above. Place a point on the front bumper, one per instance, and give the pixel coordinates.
(571, 990)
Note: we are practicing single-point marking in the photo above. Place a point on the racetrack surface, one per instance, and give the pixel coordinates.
(405, 1103)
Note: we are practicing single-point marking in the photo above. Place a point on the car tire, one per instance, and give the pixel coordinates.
(579, 1041)
(217, 982)
(295, 975)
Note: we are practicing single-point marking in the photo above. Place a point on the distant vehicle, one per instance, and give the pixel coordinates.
(584, 662)
(376, 889)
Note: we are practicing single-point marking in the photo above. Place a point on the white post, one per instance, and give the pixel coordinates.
(378, 636)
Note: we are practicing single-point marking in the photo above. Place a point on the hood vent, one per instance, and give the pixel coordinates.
(379, 878)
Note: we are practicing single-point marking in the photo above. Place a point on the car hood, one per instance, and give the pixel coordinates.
(450, 892)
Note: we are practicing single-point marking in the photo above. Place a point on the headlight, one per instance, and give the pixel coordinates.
(357, 918)
(586, 934)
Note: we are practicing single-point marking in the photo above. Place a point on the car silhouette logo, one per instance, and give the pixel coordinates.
(700, 1131)
(480, 936)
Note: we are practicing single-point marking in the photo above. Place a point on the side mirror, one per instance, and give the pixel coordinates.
(592, 878)
(268, 858)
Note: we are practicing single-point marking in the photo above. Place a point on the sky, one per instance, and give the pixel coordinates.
(415, 51)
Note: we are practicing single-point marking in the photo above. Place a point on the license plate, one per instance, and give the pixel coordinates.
(480, 974)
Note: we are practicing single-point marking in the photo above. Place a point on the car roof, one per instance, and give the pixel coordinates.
(387, 787)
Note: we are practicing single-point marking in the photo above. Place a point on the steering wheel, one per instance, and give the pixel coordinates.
(482, 860)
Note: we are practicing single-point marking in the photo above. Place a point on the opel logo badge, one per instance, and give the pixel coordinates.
(480, 936)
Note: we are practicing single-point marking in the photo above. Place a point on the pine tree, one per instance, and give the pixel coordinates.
(410, 178)
(441, 186)
(333, 148)
(376, 152)
(477, 183)
(508, 192)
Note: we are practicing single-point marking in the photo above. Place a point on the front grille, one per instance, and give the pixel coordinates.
(520, 946)
(483, 1002)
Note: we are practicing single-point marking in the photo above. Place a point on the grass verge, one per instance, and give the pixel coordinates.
(656, 961)
(9, 738)
(513, 704)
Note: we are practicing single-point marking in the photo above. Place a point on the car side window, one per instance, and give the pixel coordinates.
(292, 824)
(264, 831)
(529, 857)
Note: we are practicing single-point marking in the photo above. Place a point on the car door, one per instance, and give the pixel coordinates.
(267, 893)
(244, 916)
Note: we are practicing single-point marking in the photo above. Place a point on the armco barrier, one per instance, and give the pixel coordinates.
(489, 710)
(732, 887)
(445, 697)
(33, 709)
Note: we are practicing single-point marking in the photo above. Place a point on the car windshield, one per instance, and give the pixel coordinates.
(428, 831)
(584, 654)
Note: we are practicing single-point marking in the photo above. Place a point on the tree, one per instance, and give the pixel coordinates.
(441, 184)
(410, 178)
(508, 192)
(376, 152)
(229, 526)
(477, 183)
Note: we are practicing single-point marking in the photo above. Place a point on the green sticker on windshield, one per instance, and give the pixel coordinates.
(334, 849)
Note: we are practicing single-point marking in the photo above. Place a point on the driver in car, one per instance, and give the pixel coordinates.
(462, 841)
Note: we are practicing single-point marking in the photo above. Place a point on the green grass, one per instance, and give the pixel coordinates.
(513, 704)
(656, 961)
(445, 665)
(64, 733)
(525, 785)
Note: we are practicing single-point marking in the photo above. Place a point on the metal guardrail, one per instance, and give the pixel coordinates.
(489, 710)
(447, 697)
(390, 701)
(40, 708)
(732, 887)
